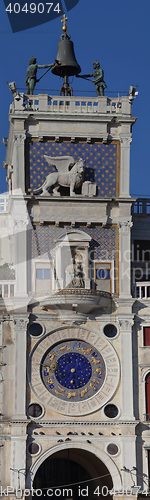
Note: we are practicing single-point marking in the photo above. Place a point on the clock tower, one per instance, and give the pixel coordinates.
(66, 316)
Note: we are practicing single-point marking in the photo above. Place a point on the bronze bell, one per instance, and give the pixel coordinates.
(68, 65)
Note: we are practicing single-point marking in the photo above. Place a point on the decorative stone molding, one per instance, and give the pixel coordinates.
(71, 423)
(19, 138)
(126, 325)
(125, 226)
(126, 141)
(145, 369)
(20, 224)
(145, 320)
(20, 323)
(6, 317)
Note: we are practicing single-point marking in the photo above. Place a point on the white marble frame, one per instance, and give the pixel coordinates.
(41, 260)
(111, 262)
(102, 455)
(96, 401)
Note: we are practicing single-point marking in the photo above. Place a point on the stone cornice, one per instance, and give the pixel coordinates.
(62, 423)
(75, 117)
(79, 199)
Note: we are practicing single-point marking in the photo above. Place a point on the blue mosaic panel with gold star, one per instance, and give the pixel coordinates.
(102, 163)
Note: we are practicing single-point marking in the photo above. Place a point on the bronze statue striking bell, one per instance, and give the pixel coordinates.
(68, 65)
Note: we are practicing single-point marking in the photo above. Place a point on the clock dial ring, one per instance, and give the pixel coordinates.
(71, 407)
(76, 374)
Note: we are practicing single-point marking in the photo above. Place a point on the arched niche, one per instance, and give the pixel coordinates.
(68, 245)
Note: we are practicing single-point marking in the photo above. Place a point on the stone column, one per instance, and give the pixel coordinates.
(19, 161)
(125, 165)
(21, 257)
(126, 369)
(125, 259)
(59, 269)
(21, 225)
(128, 460)
(1, 363)
(20, 366)
(18, 457)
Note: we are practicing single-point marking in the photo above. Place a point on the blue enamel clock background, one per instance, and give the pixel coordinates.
(73, 370)
(102, 163)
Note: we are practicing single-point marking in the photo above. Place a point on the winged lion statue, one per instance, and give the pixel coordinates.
(72, 178)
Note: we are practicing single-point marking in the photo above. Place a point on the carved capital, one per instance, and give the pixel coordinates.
(21, 324)
(125, 325)
(19, 139)
(20, 224)
(125, 141)
(125, 226)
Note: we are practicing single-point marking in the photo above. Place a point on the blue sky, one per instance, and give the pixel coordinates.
(117, 34)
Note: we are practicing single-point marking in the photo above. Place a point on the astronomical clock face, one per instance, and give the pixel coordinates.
(73, 371)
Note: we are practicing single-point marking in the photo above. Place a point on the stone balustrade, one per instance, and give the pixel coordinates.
(142, 290)
(7, 289)
(72, 105)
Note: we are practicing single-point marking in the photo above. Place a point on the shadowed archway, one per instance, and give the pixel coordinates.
(73, 473)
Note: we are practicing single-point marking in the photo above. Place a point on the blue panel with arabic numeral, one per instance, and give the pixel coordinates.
(103, 274)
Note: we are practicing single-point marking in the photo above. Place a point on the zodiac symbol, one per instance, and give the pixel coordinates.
(95, 360)
(83, 392)
(93, 386)
(98, 370)
(71, 394)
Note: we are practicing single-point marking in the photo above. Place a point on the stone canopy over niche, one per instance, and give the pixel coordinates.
(102, 164)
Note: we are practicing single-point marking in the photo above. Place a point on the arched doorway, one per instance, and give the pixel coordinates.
(73, 474)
